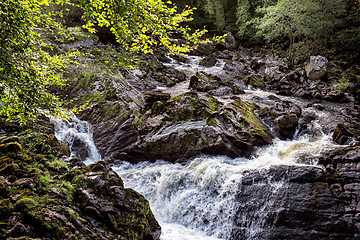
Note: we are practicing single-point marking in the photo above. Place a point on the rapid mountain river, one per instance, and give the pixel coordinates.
(197, 200)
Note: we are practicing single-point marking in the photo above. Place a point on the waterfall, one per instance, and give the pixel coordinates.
(78, 136)
(198, 200)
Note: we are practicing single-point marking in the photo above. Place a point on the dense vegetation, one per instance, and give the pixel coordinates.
(302, 27)
(30, 69)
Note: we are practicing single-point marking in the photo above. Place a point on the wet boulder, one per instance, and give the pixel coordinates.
(48, 197)
(256, 80)
(204, 82)
(235, 68)
(80, 147)
(184, 126)
(297, 202)
(283, 115)
(229, 42)
(208, 61)
(151, 97)
(104, 198)
(316, 68)
(286, 125)
(213, 84)
(191, 124)
(345, 134)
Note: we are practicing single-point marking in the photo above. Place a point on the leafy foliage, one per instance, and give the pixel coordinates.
(29, 69)
(246, 11)
(141, 24)
(26, 71)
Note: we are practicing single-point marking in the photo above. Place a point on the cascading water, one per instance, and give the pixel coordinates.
(191, 66)
(199, 200)
(78, 136)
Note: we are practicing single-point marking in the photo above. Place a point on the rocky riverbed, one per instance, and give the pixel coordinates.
(228, 101)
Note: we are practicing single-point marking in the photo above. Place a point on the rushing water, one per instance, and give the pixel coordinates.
(201, 194)
(197, 200)
(78, 136)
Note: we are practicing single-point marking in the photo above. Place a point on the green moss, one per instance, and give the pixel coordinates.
(139, 119)
(341, 85)
(13, 147)
(46, 181)
(5, 208)
(57, 165)
(246, 110)
(2, 188)
(80, 181)
(26, 202)
(255, 80)
(212, 122)
(209, 139)
(73, 215)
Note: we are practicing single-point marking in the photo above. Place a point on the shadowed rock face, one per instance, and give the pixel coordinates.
(290, 202)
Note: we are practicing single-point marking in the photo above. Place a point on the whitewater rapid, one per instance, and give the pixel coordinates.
(197, 200)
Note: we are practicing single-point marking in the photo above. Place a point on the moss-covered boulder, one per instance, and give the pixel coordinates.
(46, 195)
(187, 125)
(213, 84)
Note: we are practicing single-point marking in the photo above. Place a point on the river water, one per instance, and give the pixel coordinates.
(197, 200)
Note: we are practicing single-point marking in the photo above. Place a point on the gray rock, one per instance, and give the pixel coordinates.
(316, 68)
(286, 125)
(230, 41)
(292, 202)
(208, 61)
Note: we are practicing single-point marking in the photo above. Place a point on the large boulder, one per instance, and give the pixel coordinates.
(282, 116)
(208, 61)
(316, 68)
(46, 195)
(204, 82)
(184, 126)
(286, 125)
(301, 202)
(215, 85)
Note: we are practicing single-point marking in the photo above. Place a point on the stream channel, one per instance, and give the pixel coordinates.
(197, 200)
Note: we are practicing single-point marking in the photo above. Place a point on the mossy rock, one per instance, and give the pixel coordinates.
(345, 134)
(255, 80)
(202, 125)
(38, 195)
(204, 82)
(12, 147)
(3, 190)
(5, 208)
(208, 61)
